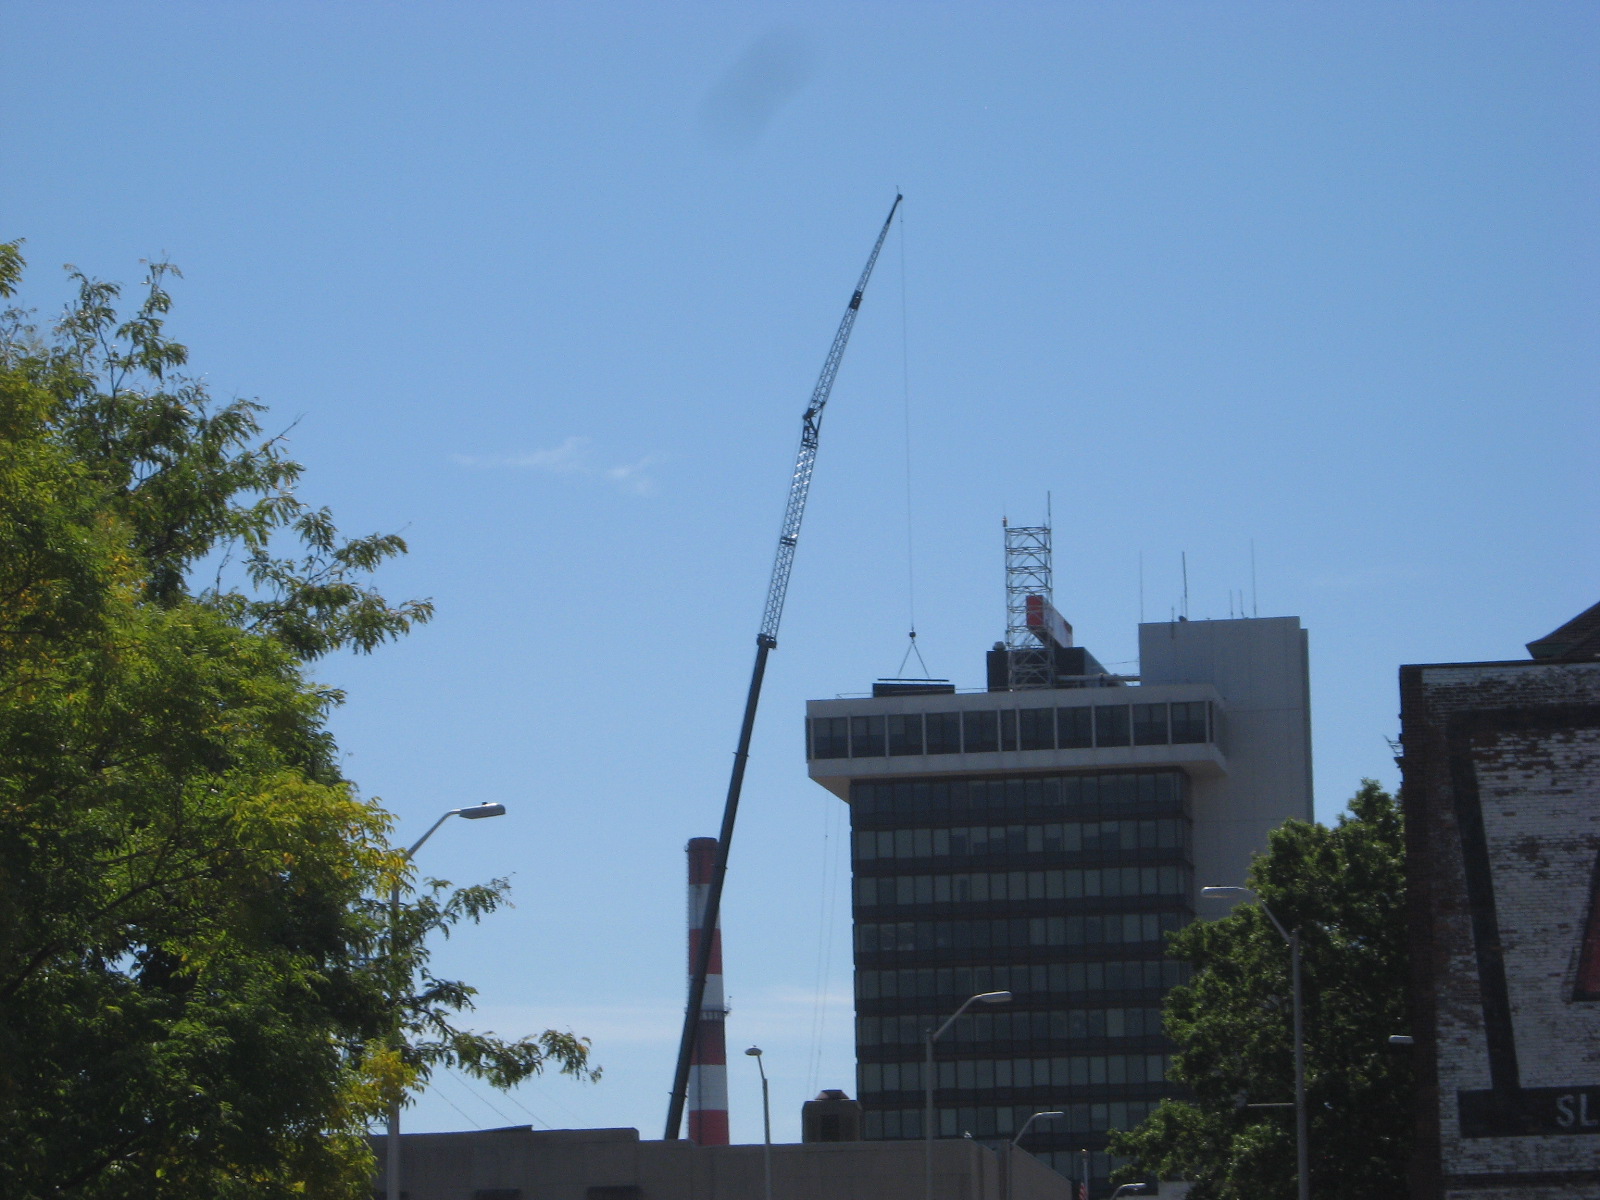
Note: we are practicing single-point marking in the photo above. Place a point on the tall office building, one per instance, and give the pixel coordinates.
(1042, 837)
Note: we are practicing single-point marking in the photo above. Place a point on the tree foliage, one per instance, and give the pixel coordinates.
(201, 978)
(1343, 889)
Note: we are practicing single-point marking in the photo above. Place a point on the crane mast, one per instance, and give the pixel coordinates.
(766, 641)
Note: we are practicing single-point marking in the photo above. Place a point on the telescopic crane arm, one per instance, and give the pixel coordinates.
(766, 641)
(805, 460)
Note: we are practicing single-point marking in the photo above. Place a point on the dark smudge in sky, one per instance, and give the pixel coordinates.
(740, 106)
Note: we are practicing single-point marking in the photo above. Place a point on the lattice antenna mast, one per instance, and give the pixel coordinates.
(766, 641)
(1029, 664)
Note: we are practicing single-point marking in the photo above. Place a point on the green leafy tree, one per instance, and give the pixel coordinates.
(1343, 888)
(201, 977)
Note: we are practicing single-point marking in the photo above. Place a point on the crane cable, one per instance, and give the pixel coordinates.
(905, 394)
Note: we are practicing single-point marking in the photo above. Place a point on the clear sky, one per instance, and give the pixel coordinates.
(547, 285)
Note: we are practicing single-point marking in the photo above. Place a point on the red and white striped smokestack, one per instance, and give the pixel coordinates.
(708, 1069)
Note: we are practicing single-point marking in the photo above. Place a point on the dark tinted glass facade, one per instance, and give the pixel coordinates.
(1100, 726)
(1059, 888)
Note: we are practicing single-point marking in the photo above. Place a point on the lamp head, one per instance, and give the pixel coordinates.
(478, 811)
(994, 997)
(1224, 893)
(754, 1050)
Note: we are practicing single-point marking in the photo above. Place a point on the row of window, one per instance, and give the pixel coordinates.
(1066, 837)
(984, 1121)
(978, 887)
(984, 1074)
(1078, 728)
(928, 937)
(1038, 979)
(1101, 793)
(983, 1028)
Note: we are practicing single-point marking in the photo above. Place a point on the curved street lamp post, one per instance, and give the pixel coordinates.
(927, 1082)
(766, 1120)
(391, 1147)
(1010, 1157)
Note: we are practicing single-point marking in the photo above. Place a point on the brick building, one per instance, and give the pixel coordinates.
(1501, 767)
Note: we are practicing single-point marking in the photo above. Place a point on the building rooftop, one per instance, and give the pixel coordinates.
(1576, 641)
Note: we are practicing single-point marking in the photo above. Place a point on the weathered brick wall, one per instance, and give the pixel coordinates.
(1501, 771)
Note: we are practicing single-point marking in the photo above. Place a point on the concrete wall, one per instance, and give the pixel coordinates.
(1261, 669)
(564, 1164)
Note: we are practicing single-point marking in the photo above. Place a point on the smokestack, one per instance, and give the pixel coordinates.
(708, 1069)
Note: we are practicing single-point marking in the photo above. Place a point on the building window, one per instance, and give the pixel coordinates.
(944, 733)
(1000, 799)
(1075, 728)
(830, 737)
(866, 737)
(982, 886)
(905, 734)
(980, 732)
(1078, 978)
(1189, 722)
(1149, 724)
(1111, 725)
(1008, 729)
(1036, 729)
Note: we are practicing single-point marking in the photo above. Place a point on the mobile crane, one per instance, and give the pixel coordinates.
(766, 642)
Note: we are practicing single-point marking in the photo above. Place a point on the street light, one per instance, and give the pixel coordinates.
(1010, 1159)
(927, 1082)
(766, 1118)
(1301, 1151)
(475, 812)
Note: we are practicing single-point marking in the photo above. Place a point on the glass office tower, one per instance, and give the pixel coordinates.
(1044, 842)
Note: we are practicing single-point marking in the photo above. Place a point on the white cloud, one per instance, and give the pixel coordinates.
(565, 459)
(574, 456)
(632, 478)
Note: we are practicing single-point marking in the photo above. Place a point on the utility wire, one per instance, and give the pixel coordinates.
(473, 1121)
(819, 1002)
(481, 1098)
(512, 1096)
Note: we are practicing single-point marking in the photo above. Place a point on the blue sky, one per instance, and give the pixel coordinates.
(546, 287)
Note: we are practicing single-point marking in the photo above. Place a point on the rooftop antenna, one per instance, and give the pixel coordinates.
(1185, 558)
(1029, 664)
(1255, 610)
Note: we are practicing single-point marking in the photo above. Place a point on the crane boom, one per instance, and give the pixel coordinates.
(810, 430)
(766, 641)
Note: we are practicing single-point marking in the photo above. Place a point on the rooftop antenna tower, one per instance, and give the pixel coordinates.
(1029, 664)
